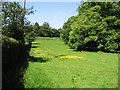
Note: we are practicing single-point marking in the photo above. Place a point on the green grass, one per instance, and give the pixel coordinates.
(48, 68)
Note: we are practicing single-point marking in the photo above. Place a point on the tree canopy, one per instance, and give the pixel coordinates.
(45, 30)
(95, 28)
(12, 22)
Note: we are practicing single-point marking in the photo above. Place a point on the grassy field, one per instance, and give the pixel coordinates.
(54, 65)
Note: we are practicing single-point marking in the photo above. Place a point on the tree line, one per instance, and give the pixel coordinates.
(95, 28)
(45, 30)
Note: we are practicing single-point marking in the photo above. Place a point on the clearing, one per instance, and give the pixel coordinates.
(54, 65)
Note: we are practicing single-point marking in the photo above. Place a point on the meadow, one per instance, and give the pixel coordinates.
(54, 65)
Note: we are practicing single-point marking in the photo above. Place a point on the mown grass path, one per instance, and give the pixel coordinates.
(54, 65)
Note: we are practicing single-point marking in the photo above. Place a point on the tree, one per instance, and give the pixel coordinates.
(96, 27)
(67, 28)
(36, 28)
(55, 32)
(46, 24)
(12, 20)
(46, 31)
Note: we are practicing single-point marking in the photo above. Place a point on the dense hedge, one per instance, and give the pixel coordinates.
(8, 41)
(14, 61)
(16, 43)
(13, 52)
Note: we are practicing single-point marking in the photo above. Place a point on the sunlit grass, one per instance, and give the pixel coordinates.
(66, 68)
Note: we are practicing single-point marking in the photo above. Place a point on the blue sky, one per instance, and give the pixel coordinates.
(55, 13)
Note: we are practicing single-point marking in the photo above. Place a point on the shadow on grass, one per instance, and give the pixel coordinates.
(59, 56)
(35, 46)
(40, 59)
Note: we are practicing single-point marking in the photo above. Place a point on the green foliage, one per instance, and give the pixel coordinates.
(8, 42)
(45, 30)
(13, 20)
(12, 17)
(95, 28)
(29, 34)
(67, 28)
(46, 24)
(36, 28)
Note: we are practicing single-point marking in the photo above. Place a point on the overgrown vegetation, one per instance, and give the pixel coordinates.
(95, 28)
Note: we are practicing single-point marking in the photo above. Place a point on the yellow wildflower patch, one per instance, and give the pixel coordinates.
(35, 42)
(72, 57)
